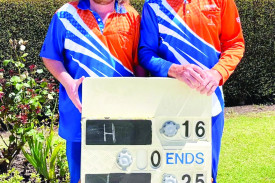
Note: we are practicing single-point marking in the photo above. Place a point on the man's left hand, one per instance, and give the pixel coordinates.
(212, 80)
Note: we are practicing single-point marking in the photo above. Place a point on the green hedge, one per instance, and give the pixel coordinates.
(26, 19)
(138, 4)
(252, 82)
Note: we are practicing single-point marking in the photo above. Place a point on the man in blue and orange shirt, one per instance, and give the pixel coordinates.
(88, 38)
(199, 42)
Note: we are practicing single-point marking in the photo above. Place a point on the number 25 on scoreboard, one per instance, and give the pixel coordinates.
(199, 178)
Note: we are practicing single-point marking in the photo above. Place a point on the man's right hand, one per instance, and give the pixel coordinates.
(191, 74)
(71, 85)
(72, 91)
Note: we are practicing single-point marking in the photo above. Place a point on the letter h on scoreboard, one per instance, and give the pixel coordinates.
(144, 130)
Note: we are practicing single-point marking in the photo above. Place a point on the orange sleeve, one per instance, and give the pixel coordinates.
(232, 41)
(136, 41)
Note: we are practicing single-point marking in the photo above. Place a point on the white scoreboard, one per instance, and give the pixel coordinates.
(144, 130)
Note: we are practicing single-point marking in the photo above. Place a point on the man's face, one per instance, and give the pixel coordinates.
(103, 2)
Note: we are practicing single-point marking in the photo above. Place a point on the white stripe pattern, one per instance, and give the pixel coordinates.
(216, 106)
(72, 46)
(76, 32)
(170, 9)
(165, 30)
(71, 10)
(159, 13)
(84, 67)
(180, 58)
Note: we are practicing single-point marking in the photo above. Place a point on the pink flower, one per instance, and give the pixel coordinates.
(34, 95)
(51, 86)
(22, 106)
(2, 108)
(2, 80)
(32, 67)
(23, 118)
(11, 72)
(38, 110)
(1, 94)
(30, 91)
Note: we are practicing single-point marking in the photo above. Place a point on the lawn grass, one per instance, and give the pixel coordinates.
(248, 153)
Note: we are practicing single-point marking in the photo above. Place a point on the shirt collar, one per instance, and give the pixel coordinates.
(85, 5)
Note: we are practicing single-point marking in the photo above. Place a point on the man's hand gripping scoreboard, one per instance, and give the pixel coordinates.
(144, 130)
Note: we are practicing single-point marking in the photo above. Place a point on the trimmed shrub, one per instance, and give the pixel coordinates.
(138, 4)
(252, 82)
(26, 19)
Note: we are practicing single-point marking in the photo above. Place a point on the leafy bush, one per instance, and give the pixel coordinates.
(138, 4)
(26, 19)
(253, 80)
(46, 155)
(25, 101)
(12, 176)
